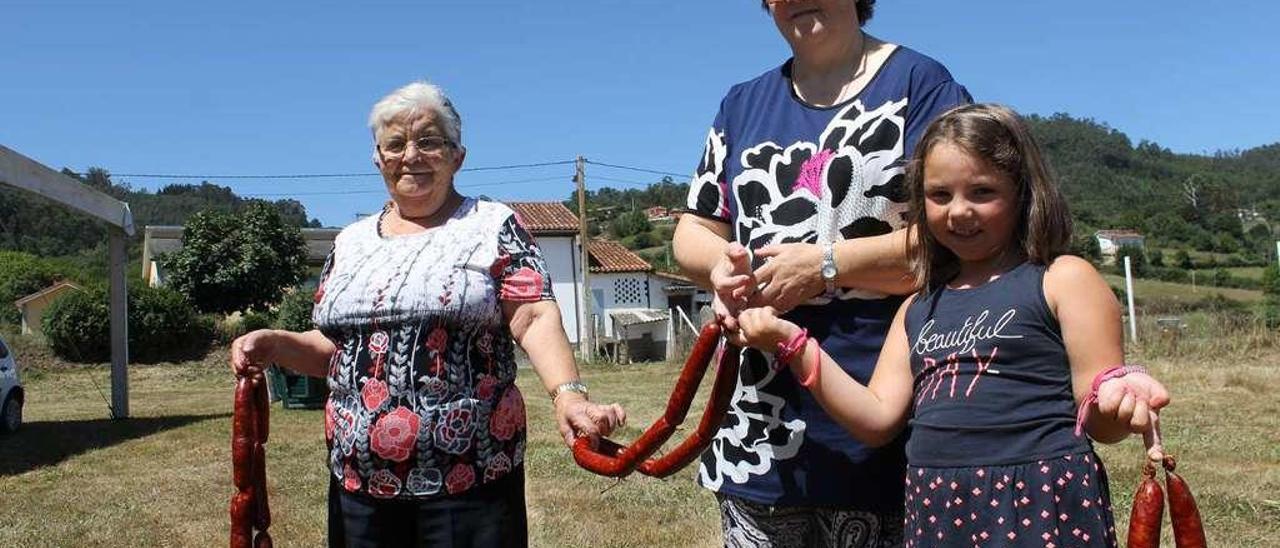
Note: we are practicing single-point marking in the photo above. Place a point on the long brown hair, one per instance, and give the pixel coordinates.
(998, 136)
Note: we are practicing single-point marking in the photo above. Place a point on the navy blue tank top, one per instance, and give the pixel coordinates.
(991, 380)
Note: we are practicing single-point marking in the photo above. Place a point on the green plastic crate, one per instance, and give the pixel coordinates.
(297, 391)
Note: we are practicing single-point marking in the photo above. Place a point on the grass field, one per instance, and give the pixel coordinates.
(162, 478)
(1155, 289)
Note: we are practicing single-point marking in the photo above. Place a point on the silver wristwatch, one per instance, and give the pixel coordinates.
(571, 386)
(829, 270)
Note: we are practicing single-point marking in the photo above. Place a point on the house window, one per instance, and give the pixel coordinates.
(630, 291)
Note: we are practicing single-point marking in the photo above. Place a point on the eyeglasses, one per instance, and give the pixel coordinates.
(430, 145)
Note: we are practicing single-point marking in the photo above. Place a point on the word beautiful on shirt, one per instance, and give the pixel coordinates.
(962, 340)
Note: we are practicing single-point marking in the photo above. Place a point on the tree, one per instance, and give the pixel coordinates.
(1157, 257)
(629, 224)
(1137, 260)
(1271, 280)
(1183, 259)
(236, 261)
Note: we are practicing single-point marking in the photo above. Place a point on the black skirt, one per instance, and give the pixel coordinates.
(1051, 503)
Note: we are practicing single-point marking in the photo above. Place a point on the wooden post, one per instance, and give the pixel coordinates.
(586, 339)
(119, 326)
(1128, 289)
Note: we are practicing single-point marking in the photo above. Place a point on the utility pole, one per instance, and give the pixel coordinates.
(586, 339)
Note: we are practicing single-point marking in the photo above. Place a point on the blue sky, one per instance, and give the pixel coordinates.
(285, 87)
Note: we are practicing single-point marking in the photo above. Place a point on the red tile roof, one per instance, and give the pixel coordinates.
(611, 256)
(545, 217)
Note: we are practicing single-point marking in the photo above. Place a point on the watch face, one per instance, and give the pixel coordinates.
(828, 271)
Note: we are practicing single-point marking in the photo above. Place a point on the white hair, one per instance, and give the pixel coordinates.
(414, 98)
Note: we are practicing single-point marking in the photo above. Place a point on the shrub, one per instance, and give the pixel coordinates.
(294, 313)
(78, 326)
(1271, 312)
(162, 326)
(253, 321)
(21, 274)
(1271, 280)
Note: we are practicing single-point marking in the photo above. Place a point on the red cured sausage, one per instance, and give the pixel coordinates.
(241, 522)
(242, 434)
(1148, 511)
(614, 460)
(1188, 529)
(261, 409)
(249, 424)
(263, 540)
(262, 513)
(712, 416)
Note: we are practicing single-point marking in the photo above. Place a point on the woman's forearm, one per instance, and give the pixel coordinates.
(698, 244)
(875, 263)
(537, 328)
(307, 353)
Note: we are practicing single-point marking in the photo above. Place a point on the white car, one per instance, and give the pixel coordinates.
(11, 394)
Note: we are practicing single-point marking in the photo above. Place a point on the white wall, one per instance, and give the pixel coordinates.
(559, 252)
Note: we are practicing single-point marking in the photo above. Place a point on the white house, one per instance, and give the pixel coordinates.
(630, 302)
(1111, 240)
(33, 306)
(164, 239)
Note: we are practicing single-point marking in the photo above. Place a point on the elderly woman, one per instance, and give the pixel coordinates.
(798, 203)
(417, 312)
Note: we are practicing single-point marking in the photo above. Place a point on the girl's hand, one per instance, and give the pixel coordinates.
(760, 328)
(1131, 400)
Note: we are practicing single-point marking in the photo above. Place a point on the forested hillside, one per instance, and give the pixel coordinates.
(34, 225)
(1226, 203)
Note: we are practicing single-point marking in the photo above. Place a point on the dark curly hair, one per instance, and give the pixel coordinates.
(866, 8)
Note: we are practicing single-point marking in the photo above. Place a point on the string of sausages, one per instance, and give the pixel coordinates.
(611, 459)
(1149, 501)
(249, 431)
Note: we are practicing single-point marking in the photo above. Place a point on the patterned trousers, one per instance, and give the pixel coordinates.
(748, 524)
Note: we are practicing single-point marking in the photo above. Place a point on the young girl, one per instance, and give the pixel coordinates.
(991, 359)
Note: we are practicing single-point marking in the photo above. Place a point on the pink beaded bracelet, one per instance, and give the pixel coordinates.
(1115, 372)
(816, 371)
(787, 349)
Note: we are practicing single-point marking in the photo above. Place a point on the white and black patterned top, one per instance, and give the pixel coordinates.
(778, 170)
(423, 400)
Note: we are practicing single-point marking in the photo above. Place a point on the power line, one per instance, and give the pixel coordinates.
(640, 169)
(621, 181)
(383, 191)
(321, 175)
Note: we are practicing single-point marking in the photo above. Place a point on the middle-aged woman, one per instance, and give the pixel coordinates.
(417, 312)
(799, 204)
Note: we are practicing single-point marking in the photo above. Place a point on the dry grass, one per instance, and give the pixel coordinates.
(73, 478)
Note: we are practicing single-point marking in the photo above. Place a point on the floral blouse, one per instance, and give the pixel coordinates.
(422, 395)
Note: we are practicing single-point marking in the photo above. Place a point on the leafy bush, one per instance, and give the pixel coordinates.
(1271, 281)
(78, 325)
(253, 321)
(162, 326)
(294, 313)
(242, 261)
(1271, 312)
(1137, 260)
(21, 274)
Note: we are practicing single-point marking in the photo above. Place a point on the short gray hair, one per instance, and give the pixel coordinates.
(412, 98)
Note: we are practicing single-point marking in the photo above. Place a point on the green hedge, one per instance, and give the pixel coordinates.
(162, 326)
